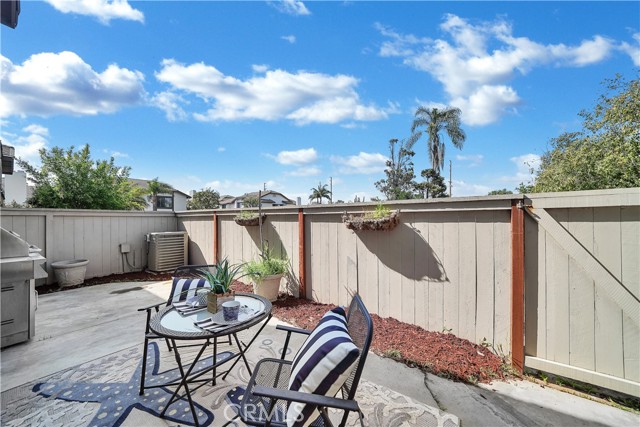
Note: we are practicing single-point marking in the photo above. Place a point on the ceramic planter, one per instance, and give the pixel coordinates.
(70, 273)
(268, 286)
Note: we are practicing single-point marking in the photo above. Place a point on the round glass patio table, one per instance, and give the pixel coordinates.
(169, 323)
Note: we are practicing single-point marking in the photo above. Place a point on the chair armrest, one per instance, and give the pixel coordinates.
(292, 329)
(309, 398)
(149, 307)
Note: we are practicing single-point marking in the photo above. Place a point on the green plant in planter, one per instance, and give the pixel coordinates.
(266, 273)
(247, 215)
(223, 276)
(380, 212)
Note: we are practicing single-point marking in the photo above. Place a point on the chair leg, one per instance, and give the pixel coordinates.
(144, 365)
(168, 344)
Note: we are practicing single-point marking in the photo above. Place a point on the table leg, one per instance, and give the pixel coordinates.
(215, 359)
(184, 381)
(246, 348)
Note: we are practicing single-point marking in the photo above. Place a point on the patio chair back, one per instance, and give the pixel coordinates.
(178, 293)
(360, 326)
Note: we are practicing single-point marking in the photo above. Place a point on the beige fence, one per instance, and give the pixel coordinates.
(93, 235)
(582, 254)
(447, 266)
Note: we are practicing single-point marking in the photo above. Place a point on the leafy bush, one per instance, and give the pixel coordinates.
(380, 212)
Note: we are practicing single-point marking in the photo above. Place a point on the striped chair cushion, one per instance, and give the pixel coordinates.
(181, 289)
(322, 365)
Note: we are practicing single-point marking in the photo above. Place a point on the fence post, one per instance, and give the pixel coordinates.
(517, 285)
(215, 238)
(301, 260)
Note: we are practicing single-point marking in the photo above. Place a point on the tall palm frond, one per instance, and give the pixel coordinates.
(435, 121)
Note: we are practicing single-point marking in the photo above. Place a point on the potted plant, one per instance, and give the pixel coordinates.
(220, 281)
(266, 274)
(382, 218)
(249, 218)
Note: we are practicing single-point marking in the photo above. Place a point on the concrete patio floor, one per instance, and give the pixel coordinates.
(81, 325)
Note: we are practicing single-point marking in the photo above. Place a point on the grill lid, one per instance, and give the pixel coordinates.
(12, 246)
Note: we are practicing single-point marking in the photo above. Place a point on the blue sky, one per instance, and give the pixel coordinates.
(238, 95)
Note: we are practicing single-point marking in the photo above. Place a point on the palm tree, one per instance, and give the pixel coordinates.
(154, 187)
(319, 193)
(435, 121)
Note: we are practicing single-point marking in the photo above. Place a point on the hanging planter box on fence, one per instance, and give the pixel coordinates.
(246, 222)
(359, 222)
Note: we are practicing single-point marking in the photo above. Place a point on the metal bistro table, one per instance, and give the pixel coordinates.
(170, 324)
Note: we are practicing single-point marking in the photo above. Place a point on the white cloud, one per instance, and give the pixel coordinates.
(465, 189)
(472, 160)
(290, 38)
(476, 61)
(260, 68)
(526, 167)
(221, 149)
(169, 102)
(633, 50)
(103, 10)
(291, 7)
(37, 129)
(305, 171)
(62, 83)
(303, 97)
(363, 163)
(28, 144)
(117, 154)
(298, 157)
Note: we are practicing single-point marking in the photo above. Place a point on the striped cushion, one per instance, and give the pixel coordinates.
(181, 289)
(322, 365)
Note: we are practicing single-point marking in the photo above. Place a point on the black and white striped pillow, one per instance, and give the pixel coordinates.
(181, 289)
(322, 365)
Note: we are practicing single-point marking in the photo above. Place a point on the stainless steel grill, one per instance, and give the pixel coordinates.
(20, 264)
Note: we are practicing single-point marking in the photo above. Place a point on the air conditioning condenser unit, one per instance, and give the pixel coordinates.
(167, 250)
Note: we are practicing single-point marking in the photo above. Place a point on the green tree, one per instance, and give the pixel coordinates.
(433, 185)
(435, 121)
(204, 199)
(605, 153)
(155, 187)
(320, 192)
(250, 202)
(399, 183)
(498, 192)
(69, 179)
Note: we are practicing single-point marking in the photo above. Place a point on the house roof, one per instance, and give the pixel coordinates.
(231, 199)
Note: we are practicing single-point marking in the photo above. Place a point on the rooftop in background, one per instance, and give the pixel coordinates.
(174, 201)
(269, 198)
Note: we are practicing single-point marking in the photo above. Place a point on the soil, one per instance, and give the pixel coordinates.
(443, 354)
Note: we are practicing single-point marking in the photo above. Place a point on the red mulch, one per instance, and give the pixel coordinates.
(443, 354)
(440, 353)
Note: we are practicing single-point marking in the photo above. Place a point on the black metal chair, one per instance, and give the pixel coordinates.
(267, 396)
(183, 272)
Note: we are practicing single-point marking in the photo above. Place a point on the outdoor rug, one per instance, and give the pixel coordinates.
(104, 392)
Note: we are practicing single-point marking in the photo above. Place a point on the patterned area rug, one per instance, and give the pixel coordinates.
(104, 392)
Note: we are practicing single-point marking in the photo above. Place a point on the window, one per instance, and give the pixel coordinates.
(165, 202)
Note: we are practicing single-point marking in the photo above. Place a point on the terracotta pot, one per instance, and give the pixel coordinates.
(268, 287)
(214, 301)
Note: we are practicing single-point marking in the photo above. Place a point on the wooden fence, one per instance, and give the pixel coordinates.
(446, 266)
(582, 255)
(93, 235)
(566, 300)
